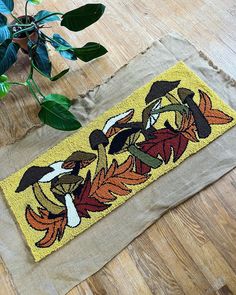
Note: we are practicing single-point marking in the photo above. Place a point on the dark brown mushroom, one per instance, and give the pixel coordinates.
(202, 125)
(99, 141)
(78, 160)
(160, 89)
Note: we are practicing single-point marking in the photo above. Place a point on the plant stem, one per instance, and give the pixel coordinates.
(144, 157)
(18, 83)
(26, 11)
(15, 18)
(37, 87)
(55, 13)
(23, 30)
(33, 92)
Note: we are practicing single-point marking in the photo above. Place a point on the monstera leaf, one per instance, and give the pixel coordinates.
(6, 6)
(82, 17)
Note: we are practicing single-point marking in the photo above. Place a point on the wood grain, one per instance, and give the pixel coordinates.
(190, 250)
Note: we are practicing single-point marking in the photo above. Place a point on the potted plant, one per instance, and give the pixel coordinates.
(27, 33)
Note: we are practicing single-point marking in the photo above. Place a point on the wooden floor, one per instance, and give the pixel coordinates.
(192, 249)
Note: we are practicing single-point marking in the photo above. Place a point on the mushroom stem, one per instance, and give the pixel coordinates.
(44, 201)
(144, 157)
(73, 218)
(178, 116)
(102, 159)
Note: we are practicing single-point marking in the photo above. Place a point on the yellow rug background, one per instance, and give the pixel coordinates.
(61, 151)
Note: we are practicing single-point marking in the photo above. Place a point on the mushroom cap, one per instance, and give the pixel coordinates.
(160, 89)
(66, 184)
(96, 138)
(185, 93)
(123, 140)
(83, 157)
(109, 129)
(31, 176)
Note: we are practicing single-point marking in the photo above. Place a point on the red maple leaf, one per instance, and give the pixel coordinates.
(163, 142)
(84, 202)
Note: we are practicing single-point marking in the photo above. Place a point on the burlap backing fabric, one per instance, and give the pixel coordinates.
(87, 253)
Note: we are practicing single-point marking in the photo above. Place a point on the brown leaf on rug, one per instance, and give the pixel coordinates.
(84, 202)
(54, 226)
(213, 116)
(106, 186)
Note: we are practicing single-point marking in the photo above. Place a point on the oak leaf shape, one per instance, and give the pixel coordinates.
(188, 128)
(54, 227)
(213, 116)
(84, 202)
(107, 186)
(162, 143)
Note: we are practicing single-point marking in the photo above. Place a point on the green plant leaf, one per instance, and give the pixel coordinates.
(60, 99)
(35, 2)
(59, 41)
(40, 58)
(58, 117)
(3, 78)
(8, 55)
(58, 76)
(82, 17)
(90, 51)
(6, 6)
(4, 86)
(46, 14)
(4, 31)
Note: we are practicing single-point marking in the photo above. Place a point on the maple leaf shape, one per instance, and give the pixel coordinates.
(54, 227)
(213, 116)
(107, 186)
(84, 202)
(162, 143)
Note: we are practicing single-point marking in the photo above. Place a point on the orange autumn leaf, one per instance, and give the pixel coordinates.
(188, 128)
(106, 186)
(213, 116)
(54, 227)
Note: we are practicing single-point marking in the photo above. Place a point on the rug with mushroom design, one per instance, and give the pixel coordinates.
(76, 183)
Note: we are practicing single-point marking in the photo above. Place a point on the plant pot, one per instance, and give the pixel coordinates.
(23, 41)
